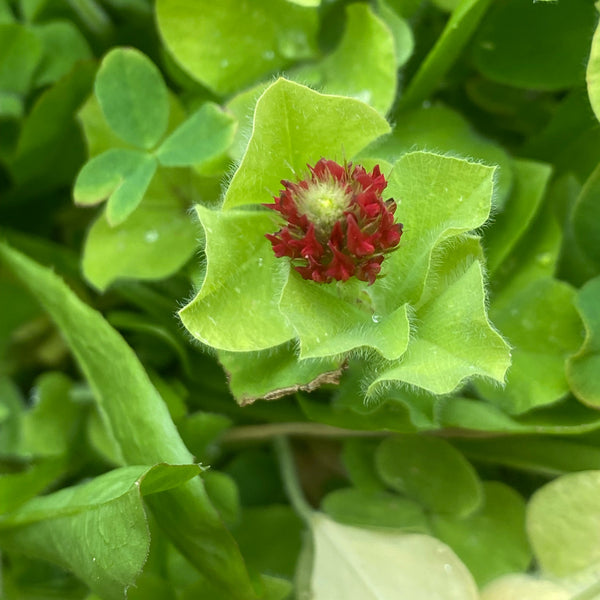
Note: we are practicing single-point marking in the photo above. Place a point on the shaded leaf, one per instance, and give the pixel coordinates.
(491, 541)
(583, 368)
(20, 53)
(431, 472)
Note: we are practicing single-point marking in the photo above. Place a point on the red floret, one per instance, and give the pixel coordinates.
(356, 243)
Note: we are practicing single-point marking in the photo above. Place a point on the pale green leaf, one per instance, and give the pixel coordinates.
(438, 197)
(133, 97)
(440, 129)
(293, 126)
(524, 587)
(593, 73)
(122, 176)
(403, 35)
(563, 519)
(154, 242)
(205, 135)
(543, 328)
(453, 342)
(237, 307)
(54, 527)
(430, 471)
(491, 541)
(275, 373)
(327, 323)
(362, 564)
(229, 45)
(583, 368)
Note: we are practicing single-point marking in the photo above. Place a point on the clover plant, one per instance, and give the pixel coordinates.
(300, 299)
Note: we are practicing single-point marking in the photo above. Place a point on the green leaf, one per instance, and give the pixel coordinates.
(454, 341)
(566, 417)
(584, 366)
(133, 97)
(458, 30)
(563, 518)
(20, 53)
(358, 457)
(18, 488)
(543, 328)
(229, 45)
(376, 509)
(259, 535)
(586, 218)
(237, 308)
(54, 527)
(11, 106)
(438, 198)
(140, 423)
(542, 32)
(531, 179)
(154, 242)
(327, 324)
(122, 176)
(491, 541)
(205, 135)
(62, 46)
(361, 564)
(48, 428)
(51, 123)
(293, 126)
(275, 373)
(440, 129)
(547, 455)
(363, 65)
(431, 472)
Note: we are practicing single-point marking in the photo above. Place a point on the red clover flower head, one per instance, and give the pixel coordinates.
(338, 225)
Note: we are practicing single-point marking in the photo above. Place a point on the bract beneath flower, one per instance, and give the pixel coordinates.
(338, 224)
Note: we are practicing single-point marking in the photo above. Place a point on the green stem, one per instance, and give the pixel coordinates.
(462, 23)
(290, 479)
(249, 433)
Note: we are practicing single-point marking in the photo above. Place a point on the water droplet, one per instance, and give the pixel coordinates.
(237, 290)
(260, 261)
(318, 339)
(269, 55)
(376, 318)
(94, 559)
(448, 568)
(461, 199)
(224, 63)
(151, 236)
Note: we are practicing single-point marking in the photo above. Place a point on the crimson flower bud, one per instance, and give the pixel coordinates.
(337, 224)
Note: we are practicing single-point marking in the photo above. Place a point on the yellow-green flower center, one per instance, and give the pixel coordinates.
(324, 203)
